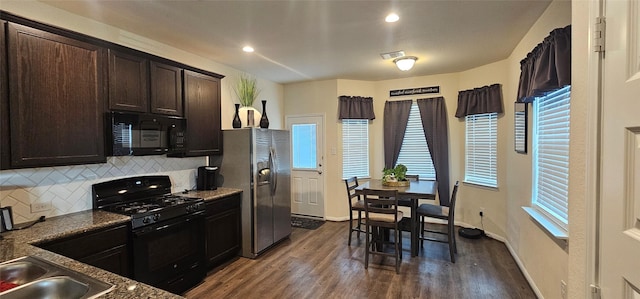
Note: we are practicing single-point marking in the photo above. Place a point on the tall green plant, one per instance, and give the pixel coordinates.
(246, 89)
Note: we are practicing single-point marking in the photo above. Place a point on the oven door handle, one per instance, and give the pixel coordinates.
(190, 218)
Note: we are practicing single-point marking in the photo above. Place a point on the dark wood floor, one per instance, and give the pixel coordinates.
(320, 264)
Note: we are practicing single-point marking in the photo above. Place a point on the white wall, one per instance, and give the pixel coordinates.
(68, 188)
(582, 184)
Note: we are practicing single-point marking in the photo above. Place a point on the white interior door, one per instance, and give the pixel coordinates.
(307, 182)
(620, 177)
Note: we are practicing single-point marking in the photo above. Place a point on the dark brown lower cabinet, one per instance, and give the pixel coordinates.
(223, 236)
(106, 249)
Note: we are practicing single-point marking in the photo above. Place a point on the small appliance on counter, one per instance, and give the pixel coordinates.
(6, 219)
(207, 178)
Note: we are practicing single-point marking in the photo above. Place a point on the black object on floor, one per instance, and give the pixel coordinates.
(306, 223)
(471, 233)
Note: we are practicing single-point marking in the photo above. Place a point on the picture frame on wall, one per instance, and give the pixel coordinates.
(520, 127)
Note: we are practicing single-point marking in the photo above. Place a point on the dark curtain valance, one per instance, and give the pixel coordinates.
(547, 67)
(355, 108)
(486, 99)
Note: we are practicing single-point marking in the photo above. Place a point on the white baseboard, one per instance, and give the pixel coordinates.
(524, 271)
(513, 254)
(337, 219)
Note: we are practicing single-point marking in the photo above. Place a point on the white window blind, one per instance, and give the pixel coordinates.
(551, 155)
(355, 148)
(414, 152)
(481, 149)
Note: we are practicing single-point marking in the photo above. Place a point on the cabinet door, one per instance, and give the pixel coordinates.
(166, 89)
(106, 249)
(223, 236)
(56, 99)
(202, 110)
(128, 77)
(115, 260)
(5, 152)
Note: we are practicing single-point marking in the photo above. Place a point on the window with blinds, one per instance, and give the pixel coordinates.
(414, 152)
(355, 148)
(481, 149)
(551, 155)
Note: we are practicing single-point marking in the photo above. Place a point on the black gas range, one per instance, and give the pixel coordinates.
(167, 230)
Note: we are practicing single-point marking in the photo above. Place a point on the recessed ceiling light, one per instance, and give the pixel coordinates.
(247, 49)
(391, 18)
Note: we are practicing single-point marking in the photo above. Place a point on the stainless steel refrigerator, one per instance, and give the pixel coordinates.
(258, 162)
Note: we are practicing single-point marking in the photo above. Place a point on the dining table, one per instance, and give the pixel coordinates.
(424, 189)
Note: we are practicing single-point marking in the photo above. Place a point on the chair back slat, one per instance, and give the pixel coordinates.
(412, 177)
(452, 202)
(351, 184)
(381, 202)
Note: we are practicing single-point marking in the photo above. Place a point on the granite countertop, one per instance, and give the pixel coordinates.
(209, 195)
(18, 243)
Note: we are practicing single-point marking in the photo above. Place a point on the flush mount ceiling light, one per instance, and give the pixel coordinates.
(247, 49)
(405, 63)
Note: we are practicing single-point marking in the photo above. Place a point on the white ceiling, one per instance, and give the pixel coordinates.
(298, 40)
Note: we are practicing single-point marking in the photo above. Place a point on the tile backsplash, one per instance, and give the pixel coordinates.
(68, 188)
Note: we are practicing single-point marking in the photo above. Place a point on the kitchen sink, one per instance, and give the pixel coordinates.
(20, 272)
(52, 287)
(32, 277)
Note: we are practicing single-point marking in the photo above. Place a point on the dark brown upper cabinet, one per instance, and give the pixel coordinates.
(202, 110)
(5, 145)
(128, 77)
(56, 97)
(140, 85)
(166, 89)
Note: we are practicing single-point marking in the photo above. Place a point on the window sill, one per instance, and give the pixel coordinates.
(555, 230)
(484, 186)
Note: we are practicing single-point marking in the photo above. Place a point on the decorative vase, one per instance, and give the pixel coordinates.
(264, 120)
(250, 120)
(236, 119)
(244, 112)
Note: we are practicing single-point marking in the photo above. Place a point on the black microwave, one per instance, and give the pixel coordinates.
(136, 134)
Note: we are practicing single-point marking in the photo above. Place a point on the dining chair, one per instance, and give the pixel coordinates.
(381, 212)
(444, 213)
(355, 204)
(407, 202)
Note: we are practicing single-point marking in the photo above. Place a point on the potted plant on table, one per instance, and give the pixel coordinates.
(396, 176)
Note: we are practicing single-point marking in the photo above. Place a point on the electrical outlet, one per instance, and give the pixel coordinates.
(563, 289)
(481, 212)
(40, 207)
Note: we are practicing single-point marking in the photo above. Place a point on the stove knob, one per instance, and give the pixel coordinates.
(156, 217)
(146, 219)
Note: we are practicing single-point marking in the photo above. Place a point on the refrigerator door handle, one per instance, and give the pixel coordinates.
(274, 172)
